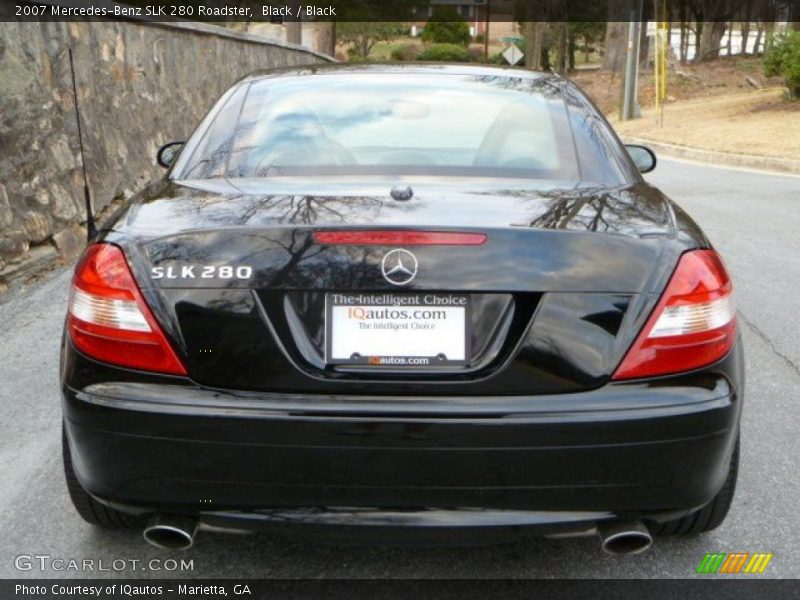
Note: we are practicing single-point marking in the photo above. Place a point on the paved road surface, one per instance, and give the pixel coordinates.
(754, 219)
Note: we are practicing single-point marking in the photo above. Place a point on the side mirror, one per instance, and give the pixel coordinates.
(168, 153)
(643, 157)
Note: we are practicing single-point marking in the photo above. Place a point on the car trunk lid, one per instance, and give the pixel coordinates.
(555, 293)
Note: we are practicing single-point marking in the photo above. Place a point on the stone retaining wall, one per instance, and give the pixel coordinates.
(140, 85)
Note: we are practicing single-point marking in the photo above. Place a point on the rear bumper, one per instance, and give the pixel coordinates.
(644, 450)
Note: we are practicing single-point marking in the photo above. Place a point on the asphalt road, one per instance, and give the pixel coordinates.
(752, 218)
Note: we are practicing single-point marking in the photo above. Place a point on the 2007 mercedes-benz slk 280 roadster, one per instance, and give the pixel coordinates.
(392, 301)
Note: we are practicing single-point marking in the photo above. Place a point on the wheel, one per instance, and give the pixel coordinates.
(709, 516)
(88, 508)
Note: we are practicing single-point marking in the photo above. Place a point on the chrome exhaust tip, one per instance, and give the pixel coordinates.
(625, 538)
(170, 532)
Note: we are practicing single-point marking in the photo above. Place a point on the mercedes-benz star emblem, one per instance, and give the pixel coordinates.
(399, 266)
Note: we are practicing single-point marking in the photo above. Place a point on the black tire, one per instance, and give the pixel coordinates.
(709, 516)
(90, 509)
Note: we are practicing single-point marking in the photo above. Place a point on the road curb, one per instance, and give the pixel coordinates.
(750, 161)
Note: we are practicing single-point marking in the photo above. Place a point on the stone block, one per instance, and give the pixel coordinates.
(70, 242)
(63, 206)
(36, 226)
(13, 244)
(38, 260)
(6, 215)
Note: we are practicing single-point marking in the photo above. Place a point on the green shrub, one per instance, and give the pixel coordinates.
(444, 52)
(783, 58)
(355, 57)
(446, 26)
(480, 38)
(406, 52)
(475, 54)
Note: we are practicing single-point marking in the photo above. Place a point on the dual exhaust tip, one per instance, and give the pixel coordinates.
(170, 532)
(625, 537)
(175, 532)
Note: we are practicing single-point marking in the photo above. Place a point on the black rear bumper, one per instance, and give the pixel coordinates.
(644, 450)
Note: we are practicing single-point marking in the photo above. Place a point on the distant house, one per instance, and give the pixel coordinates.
(501, 13)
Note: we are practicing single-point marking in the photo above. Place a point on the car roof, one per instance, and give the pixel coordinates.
(419, 68)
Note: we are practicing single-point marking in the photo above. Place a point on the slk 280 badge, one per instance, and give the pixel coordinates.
(202, 272)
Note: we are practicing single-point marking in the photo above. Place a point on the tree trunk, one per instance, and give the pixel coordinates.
(544, 58)
(698, 33)
(683, 33)
(745, 35)
(532, 32)
(684, 42)
(561, 48)
(668, 38)
(759, 33)
(571, 49)
(709, 43)
(729, 45)
(327, 37)
(616, 42)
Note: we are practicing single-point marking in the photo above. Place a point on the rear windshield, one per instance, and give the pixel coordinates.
(387, 124)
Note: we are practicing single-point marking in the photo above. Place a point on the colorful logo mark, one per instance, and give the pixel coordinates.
(735, 562)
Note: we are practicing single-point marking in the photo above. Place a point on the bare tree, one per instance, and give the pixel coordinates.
(712, 17)
(759, 34)
(684, 27)
(710, 36)
(748, 15)
(729, 45)
(560, 31)
(534, 32)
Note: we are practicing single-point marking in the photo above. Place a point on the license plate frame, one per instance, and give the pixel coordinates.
(388, 345)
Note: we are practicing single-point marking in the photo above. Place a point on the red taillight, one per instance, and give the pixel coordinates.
(108, 318)
(693, 325)
(399, 238)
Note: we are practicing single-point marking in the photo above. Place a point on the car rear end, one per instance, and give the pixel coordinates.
(481, 356)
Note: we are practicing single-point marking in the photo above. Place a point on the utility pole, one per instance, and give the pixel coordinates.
(631, 65)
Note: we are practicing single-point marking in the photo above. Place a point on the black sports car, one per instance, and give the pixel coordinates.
(402, 301)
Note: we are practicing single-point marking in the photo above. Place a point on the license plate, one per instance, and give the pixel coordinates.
(396, 330)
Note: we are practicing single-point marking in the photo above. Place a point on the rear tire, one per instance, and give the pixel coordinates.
(88, 508)
(709, 516)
